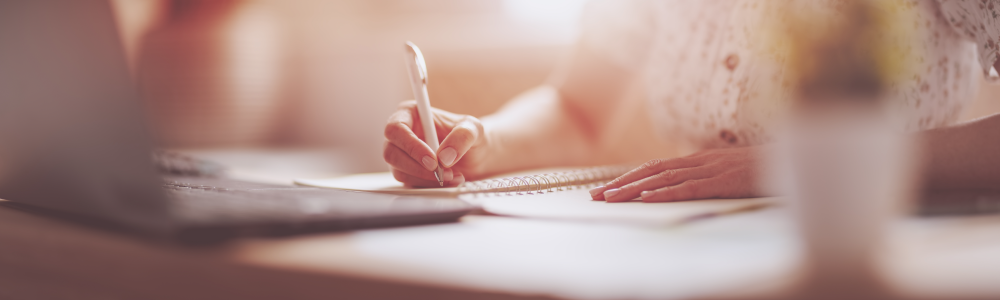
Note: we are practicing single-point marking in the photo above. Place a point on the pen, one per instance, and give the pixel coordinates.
(418, 80)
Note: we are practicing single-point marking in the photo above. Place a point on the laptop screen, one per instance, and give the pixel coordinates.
(72, 136)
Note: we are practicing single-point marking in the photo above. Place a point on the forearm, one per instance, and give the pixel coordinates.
(538, 129)
(591, 112)
(966, 156)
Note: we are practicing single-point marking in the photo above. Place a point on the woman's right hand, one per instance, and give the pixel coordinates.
(461, 154)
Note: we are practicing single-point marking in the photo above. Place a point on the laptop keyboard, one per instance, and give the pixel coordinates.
(214, 200)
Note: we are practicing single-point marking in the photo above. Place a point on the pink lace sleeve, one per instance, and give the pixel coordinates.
(978, 20)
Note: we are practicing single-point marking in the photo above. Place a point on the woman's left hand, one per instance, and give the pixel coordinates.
(716, 173)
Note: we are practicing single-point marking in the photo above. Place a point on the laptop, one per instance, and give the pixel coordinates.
(73, 145)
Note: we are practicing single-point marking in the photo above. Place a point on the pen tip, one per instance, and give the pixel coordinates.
(440, 182)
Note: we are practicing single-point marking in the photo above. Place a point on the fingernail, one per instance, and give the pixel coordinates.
(448, 156)
(459, 179)
(429, 163)
(595, 191)
(448, 175)
(611, 193)
(645, 194)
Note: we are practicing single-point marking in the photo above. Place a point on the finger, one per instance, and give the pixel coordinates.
(689, 190)
(400, 133)
(458, 179)
(462, 137)
(447, 175)
(400, 160)
(407, 114)
(645, 170)
(413, 181)
(663, 179)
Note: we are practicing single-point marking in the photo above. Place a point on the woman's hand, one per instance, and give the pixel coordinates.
(717, 173)
(413, 163)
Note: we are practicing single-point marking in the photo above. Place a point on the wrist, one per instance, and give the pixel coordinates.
(490, 149)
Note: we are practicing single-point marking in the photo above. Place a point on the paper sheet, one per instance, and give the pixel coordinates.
(577, 205)
(572, 204)
(382, 182)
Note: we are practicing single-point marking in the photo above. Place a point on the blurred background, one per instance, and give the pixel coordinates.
(304, 87)
(307, 85)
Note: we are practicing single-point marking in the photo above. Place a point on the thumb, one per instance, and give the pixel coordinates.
(461, 138)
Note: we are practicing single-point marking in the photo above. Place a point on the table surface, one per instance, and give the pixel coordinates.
(745, 256)
(750, 255)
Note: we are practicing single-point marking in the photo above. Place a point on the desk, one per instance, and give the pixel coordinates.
(480, 257)
(744, 256)
(42, 258)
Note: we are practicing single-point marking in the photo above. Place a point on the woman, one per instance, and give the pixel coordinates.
(708, 91)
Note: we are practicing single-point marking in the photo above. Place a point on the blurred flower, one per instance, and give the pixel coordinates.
(853, 48)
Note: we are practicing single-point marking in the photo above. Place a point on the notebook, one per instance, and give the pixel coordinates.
(521, 183)
(561, 194)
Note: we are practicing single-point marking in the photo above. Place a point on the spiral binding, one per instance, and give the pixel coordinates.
(543, 183)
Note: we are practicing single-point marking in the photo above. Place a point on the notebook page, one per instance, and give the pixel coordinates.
(577, 205)
(383, 182)
(566, 204)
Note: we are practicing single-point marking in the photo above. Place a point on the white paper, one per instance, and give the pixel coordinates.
(577, 205)
(571, 204)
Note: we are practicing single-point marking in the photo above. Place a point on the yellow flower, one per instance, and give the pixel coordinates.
(841, 48)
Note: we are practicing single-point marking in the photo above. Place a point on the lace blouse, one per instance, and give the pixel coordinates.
(706, 89)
